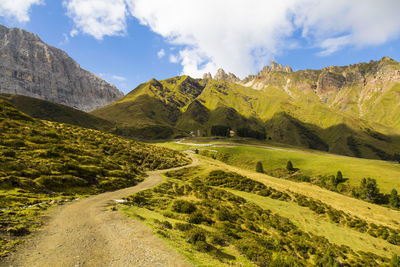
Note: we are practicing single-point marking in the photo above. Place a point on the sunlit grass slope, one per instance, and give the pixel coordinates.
(314, 163)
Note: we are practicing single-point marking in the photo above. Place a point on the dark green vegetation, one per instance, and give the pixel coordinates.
(335, 109)
(368, 189)
(259, 167)
(45, 110)
(43, 163)
(198, 214)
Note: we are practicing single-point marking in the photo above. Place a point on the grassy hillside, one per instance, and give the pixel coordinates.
(308, 166)
(221, 218)
(45, 110)
(43, 163)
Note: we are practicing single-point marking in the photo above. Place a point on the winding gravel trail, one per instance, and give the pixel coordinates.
(86, 233)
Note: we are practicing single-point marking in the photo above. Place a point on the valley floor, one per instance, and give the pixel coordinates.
(87, 233)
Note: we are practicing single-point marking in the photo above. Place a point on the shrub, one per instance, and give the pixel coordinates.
(18, 230)
(164, 224)
(183, 206)
(218, 239)
(60, 182)
(183, 226)
(139, 199)
(8, 153)
(15, 143)
(202, 246)
(224, 215)
(195, 235)
(198, 217)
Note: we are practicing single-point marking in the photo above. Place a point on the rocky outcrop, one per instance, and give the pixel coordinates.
(30, 67)
(222, 76)
(330, 81)
(274, 67)
(207, 76)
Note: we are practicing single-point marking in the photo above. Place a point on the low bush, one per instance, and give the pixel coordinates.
(183, 206)
(195, 235)
(183, 226)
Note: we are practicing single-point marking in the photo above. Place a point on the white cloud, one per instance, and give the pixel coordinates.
(335, 24)
(331, 45)
(161, 53)
(17, 9)
(173, 58)
(235, 35)
(241, 36)
(119, 78)
(98, 18)
(73, 32)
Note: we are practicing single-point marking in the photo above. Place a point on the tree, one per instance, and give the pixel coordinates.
(219, 130)
(339, 177)
(394, 200)
(369, 189)
(289, 166)
(259, 167)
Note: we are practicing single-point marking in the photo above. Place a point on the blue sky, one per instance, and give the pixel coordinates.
(121, 40)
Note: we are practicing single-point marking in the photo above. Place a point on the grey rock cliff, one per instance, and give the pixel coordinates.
(30, 67)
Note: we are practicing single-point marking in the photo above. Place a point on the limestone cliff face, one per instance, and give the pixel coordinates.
(30, 67)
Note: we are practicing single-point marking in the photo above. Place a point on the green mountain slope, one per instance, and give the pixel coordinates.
(45, 110)
(334, 109)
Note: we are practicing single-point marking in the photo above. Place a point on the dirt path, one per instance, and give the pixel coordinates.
(86, 233)
(316, 152)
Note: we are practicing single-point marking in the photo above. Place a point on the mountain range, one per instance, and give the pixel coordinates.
(351, 110)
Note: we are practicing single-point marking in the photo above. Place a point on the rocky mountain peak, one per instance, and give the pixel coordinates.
(207, 76)
(386, 58)
(31, 67)
(273, 68)
(222, 76)
(278, 67)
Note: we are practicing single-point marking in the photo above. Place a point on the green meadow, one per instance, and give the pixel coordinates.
(386, 173)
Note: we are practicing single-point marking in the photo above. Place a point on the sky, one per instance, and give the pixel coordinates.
(128, 42)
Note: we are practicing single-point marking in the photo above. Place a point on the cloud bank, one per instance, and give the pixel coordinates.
(98, 18)
(239, 36)
(242, 36)
(17, 9)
